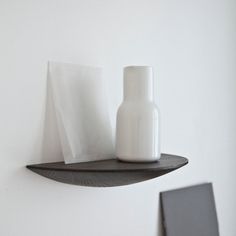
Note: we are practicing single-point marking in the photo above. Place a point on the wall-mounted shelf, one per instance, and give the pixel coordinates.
(108, 173)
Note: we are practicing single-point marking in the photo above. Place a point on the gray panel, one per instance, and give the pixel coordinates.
(190, 211)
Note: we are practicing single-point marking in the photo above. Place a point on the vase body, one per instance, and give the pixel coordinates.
(137, 123)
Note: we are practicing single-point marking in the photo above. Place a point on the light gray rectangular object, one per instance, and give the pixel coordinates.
(190, 211)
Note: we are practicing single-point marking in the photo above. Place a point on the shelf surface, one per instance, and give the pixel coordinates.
(108, 173)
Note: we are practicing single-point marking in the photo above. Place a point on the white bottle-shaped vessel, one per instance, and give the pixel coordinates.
(137, 124)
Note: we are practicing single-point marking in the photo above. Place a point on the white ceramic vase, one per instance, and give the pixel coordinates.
(137, 124)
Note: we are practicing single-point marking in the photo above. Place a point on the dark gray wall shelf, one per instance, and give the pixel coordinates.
(108, 173)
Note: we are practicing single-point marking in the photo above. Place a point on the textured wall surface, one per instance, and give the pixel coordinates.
(190, 44)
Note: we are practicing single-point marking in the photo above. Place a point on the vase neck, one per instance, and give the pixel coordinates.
(138, 83)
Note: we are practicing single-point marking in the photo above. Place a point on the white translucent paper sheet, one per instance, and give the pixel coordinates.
(82, 117)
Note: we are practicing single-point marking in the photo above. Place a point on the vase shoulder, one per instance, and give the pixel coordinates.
(145, 108)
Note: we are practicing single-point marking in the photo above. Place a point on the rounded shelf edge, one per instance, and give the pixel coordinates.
(108, 173)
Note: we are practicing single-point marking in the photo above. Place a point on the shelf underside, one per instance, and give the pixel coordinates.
(108, 173)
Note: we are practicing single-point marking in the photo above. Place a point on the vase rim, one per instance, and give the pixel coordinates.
(137, 67)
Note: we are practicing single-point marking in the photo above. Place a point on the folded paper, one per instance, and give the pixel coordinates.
(81, 112)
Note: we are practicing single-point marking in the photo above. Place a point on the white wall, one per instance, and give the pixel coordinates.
(190, 44)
